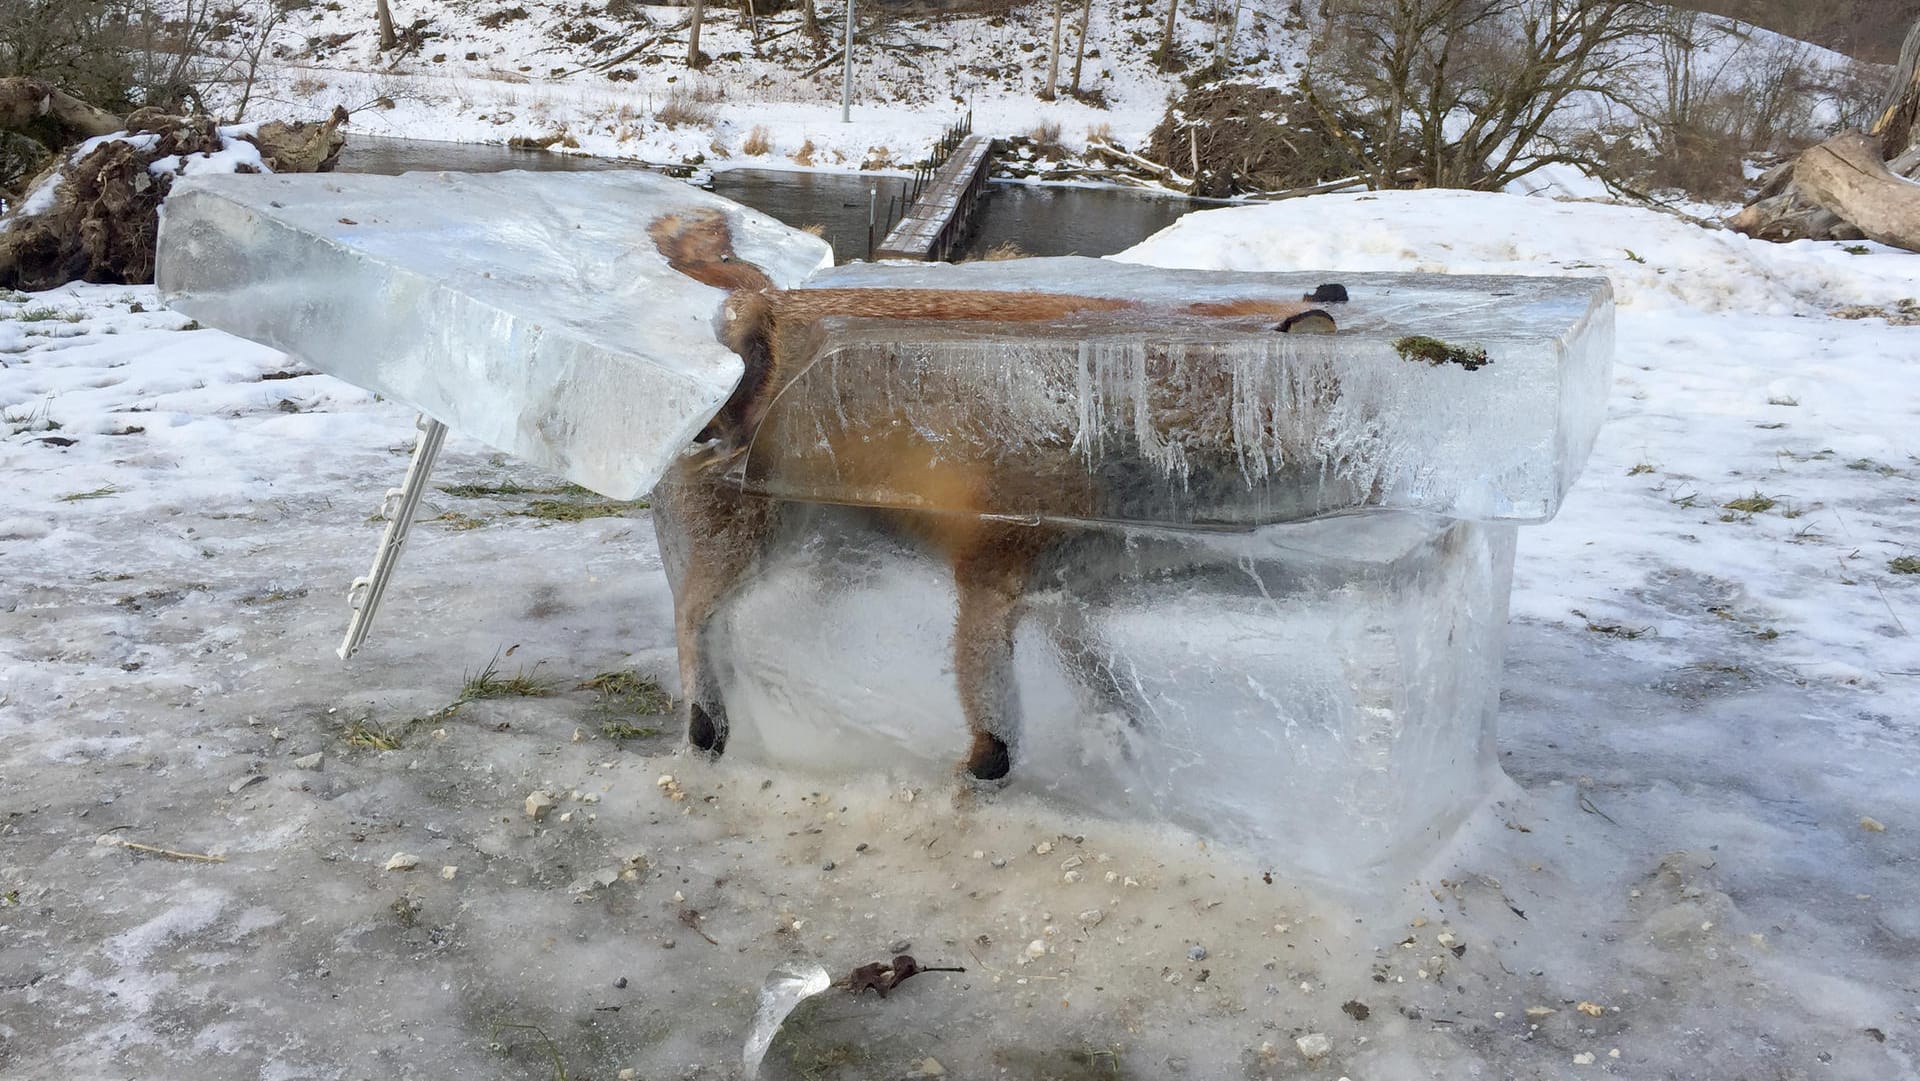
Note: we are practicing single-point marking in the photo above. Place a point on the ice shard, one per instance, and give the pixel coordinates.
(528, 310)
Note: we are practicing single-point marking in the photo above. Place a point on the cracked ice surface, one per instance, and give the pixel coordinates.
(529, 311)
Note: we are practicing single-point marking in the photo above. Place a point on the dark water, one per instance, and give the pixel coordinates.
(1036, 220)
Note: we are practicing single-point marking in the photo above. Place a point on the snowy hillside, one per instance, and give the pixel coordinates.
(1707, 871)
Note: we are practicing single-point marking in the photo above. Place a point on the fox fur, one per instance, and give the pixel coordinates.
(720, 530)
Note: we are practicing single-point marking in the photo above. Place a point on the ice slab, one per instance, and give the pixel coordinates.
(1321, 695)
(1153, 414)
(528, 310)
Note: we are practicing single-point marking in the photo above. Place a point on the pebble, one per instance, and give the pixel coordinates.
(1314, 1046)
(309, 761)
(1540, 1011)
(628, 1074)
(1043, 848)
(1092, 917)
(402, 861)
(929, 1067)
(665, 781)
(538, 804)
(1872, 825)
(997, 861)
(827, 866)
(1197, 953)
(1591, 1009)
(979, 854)
(1584, 1058)
(246, 782)
(448, 872)
(1071, 862)
(1072, 876)
(899, 945)
(1036, 949)
(621, 985)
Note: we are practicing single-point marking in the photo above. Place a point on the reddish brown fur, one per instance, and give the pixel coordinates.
(991, 559)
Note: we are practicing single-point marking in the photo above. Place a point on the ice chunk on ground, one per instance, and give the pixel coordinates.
(1321, 695)
(528, 310)
(1158, 413)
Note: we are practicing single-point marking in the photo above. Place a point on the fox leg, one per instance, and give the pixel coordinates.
(992, 568)
(713, 534)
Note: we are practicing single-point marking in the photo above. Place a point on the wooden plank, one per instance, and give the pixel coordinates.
(927, 229)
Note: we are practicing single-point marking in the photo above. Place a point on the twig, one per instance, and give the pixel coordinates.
(111, 841)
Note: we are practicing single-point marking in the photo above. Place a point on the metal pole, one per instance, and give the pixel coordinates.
(846, 77)
(873, 203)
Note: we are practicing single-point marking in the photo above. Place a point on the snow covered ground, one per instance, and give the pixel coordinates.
(1711, 711)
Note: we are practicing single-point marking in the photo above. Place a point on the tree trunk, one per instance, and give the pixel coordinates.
(1233, 29)
(36, 108)
(693, 35)
(1053, 53)
(1165, 57)
(1898, 125)
(809, 20)
(388, 39)
(1845, 175)
(1080, 46)
(1843, 189)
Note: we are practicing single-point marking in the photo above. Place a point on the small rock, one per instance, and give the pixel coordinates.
(1584, 1058)
(627, 1074)
(448, 872)
(929, 1067)
(1072, 877)
(899, 946)
(997, 862)
(246, 782)
(1445, 939)
(1536, 1012)
(539, 803)
(665, 781)
(1197, 953)
(827, 866)
(1071, 862)
(1314, 1046)
(1092, 917)
(1872, 825)
(1043, 848)
(1591, 1009)
(1036, 949)
(310, 761)
(621, 985)
(402, 861)
(591, 797)
(1356, 1009)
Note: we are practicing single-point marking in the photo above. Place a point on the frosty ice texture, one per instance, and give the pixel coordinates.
(528, 310)
(1270, 595)
(1155, 415)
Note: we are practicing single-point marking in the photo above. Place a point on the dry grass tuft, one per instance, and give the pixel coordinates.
(804, 155)
(758, 142)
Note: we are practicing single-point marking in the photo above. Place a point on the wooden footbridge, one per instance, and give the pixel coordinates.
(938, 210)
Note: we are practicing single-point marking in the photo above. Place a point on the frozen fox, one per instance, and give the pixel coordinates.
(700, 510)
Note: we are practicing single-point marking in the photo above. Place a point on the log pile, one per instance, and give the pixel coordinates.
(1856, 185)
(94, 214)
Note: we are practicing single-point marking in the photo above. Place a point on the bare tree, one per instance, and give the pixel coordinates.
(698, 14)
(1080, 45)
(1165, 57)
(1472, 93)
(388, 39)
(1053, 54)
(809, 20)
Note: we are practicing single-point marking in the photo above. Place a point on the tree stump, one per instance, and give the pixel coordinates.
(1855, 185)
(95, 215)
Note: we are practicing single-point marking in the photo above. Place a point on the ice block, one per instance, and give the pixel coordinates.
(527, 310)
(1154, 414)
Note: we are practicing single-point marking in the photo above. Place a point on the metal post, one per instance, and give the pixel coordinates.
(873, 203)
(846, 78)
(400, 505)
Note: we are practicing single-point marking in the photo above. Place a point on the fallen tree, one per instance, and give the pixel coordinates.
(1856, 185)
(94, 214)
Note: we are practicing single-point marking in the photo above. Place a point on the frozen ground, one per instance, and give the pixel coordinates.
(1707, 865)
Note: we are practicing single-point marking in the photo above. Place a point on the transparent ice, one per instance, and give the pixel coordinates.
(1271, 604)
(529, 311)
